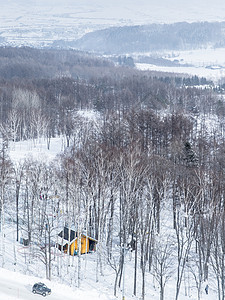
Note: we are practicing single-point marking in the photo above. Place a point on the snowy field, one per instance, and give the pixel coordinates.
(200, 57)
(37, 150)
(209, 63)
(211, 74)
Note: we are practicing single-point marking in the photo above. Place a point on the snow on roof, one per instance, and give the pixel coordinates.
(71, 235)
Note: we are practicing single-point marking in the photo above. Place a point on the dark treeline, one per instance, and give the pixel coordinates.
(53, 84)
(148, 156)
(54, 100)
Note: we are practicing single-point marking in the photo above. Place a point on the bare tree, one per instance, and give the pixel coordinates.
(18, 169)
(163, 266)
(218, 254)
(43, 243)
(5, 178)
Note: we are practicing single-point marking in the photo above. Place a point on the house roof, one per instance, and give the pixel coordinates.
(71, 235)
(67, 234)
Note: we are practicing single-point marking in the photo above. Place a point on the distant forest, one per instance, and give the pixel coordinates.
(154, 37)
(53, 84)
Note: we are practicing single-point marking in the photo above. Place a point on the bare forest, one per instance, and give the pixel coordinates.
(148, 156)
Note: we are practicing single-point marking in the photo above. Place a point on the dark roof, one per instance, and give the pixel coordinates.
(73, 235)
(65, 234)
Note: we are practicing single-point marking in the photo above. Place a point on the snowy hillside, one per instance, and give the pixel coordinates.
(85, 276)
(131, 162)
(22, 269)
(15, 285)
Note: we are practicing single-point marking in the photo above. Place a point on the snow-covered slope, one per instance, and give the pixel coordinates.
(14, 285)
(18, 259)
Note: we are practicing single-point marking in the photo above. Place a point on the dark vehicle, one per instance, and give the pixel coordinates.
(41, 288)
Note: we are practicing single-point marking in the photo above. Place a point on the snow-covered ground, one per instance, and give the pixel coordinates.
(209, 63)
(36, 149)
(212, 74)
(200, 57)
(16, 279)
(14, 285)
(20, 273)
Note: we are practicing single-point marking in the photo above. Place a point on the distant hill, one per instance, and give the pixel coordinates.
(155, 37)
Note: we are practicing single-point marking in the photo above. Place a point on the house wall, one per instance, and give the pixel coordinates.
(74, 247)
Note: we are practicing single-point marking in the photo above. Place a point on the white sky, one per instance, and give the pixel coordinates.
(141, 11)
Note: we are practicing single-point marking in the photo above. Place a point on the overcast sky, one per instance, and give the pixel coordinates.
(134, 11)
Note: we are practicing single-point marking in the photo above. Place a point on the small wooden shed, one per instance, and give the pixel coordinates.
(69, 239)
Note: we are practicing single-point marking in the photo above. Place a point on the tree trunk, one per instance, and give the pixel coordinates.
(115, 283)
(135, 271)
(143, 283)
(161, 291)
(17, 211)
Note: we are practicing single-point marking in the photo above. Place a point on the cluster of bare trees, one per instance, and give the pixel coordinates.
(44, 105)
(139, 181)
(136, 182)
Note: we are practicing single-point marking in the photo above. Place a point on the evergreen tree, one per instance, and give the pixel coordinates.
(190, 156)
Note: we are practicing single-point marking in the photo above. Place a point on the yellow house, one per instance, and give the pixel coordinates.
(70, 239)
